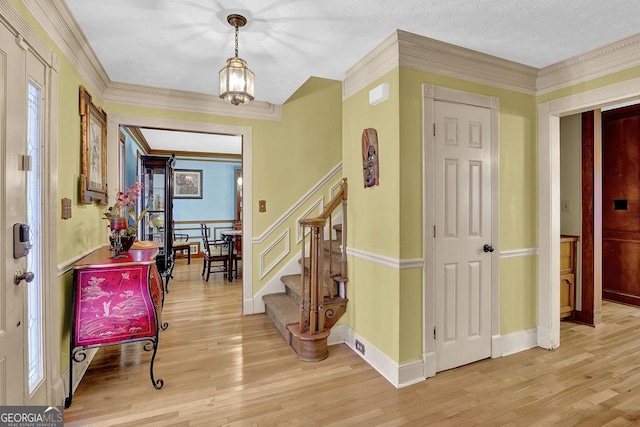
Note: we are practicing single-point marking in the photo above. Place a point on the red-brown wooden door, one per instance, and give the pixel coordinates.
(621, 205)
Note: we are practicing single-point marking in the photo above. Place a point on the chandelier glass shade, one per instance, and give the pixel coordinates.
(236, 80)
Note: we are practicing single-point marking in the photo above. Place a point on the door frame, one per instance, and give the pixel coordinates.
(430, 94)
(28, 39)
(115, 120)
(549, 113)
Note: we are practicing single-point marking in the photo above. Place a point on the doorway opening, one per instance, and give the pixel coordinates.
(549, 202)
(241, 132)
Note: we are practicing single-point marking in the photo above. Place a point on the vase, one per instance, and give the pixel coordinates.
(127, 241)
(118, 223)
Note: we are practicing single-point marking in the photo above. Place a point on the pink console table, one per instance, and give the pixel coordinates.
(116, 301)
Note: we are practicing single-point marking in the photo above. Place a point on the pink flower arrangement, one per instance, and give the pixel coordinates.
(127, 201)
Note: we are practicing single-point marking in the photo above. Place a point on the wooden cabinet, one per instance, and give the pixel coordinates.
(116, 301)
(567, 275)
(156, 176)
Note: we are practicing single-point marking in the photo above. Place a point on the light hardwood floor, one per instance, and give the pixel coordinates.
(221, 368)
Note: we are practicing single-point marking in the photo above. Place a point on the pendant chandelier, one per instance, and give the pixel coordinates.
(236, 80)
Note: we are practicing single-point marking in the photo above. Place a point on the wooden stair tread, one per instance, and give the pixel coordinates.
(285, 308)
(283, 311)
(294, 283)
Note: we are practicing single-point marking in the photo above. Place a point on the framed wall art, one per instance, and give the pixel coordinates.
(187, 183)
(93, 179)
(370, 167)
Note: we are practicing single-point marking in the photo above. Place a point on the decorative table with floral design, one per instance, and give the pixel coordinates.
(116, 301)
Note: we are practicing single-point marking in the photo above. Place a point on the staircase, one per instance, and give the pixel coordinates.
(315, 299)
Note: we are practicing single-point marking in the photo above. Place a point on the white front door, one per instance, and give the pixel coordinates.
(462, 219)
(22, 361)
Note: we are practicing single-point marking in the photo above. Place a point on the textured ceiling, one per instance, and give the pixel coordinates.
(182, 44)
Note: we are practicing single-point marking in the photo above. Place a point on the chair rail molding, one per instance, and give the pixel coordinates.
(515, 253)
(387, 261)
(305, 197)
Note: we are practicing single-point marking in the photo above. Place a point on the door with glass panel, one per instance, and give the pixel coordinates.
(22, 94)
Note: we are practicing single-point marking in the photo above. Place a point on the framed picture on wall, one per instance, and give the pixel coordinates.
(94, 151)
(187, 183)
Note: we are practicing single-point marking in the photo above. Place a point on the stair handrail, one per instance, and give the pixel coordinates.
(312, 315)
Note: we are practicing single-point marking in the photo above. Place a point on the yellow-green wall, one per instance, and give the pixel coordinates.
(388, 220)
(310, 128)
(385, 302)
(374, 291)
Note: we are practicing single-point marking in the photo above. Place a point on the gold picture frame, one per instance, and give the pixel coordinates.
(93, 180)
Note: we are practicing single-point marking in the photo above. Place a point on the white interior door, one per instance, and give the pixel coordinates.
(462, 268)
(12, 322)
(22, 340)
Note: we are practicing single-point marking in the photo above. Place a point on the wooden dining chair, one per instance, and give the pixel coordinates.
(216, 253)
(180, 244)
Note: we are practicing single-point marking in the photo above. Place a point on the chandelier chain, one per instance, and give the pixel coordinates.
(236, 41)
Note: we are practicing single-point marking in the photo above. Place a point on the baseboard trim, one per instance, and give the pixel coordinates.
(79, 369)
(504, 345)
(399, 375)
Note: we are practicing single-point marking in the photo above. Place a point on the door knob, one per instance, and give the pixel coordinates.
(487, 248)
(19, 276)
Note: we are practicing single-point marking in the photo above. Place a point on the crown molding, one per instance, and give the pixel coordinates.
(151, 97)
(433, 56)
(59, 23)
(375, 64)
(614, 57)
(57, 20)
(422, 53)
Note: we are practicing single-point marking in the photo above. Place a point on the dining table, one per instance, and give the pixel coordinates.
(230, 237)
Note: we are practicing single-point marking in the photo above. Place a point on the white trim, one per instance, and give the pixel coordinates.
(434, 56)
(513, 343)
(27, 37)
(66, 266)
(386, 260)
(339, 334)
(516, 253)
(114, 120)
(617, 56)
(275, 285)
(79, 369)
(399, 375)
(411, 263)
(18, 26)
(549, 114)
(287, 248)
(335, 188)
(55, 389)
(430, 95)
(375, 64)
(320, 206)
(404, 49)
(57, 20)
(151, 97)
(305, 197)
